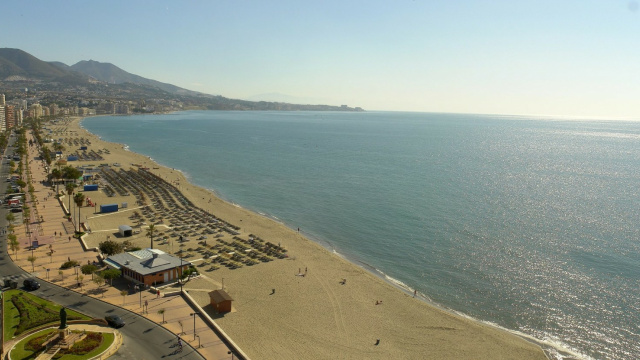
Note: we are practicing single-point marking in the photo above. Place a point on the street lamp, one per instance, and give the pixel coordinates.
(194, 323)
(180, 271)
(199, 346)
(140, 287)
(230, 352)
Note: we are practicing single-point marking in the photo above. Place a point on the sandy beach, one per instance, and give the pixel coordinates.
(328, 313)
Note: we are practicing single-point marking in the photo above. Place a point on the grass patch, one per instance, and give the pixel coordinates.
(94, 344)
(20, 351)
(24, 311)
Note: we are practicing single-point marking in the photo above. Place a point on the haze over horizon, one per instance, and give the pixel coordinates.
(569, 58)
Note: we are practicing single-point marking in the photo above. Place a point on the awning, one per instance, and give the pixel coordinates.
(112, 264)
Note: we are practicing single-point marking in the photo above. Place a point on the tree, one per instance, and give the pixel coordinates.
(10, 217)
(99, 281)
(71, 173)
(89, 269)
(61, 273)
(69, 187)
(32, 260)
(57, 175)
(111, 274)
(22, 184)
(79, 200)
(58, 146)
(110, 247)
(14, 244)
(124, 295)
(150, 232)
(161, 312)
(81, 280)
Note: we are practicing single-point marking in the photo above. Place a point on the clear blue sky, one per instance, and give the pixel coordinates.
(560, 57)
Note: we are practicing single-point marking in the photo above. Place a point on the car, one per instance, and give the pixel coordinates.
(16, 210)
(114, 321)
(31, 284)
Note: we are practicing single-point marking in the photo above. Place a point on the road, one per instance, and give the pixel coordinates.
(142, 338)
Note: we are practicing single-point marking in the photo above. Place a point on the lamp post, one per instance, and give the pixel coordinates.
(194, 323)
(180, 272)
(230, 352)
(199, 346)
(140, 287)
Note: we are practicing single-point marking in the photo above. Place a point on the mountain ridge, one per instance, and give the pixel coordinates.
(19, 70)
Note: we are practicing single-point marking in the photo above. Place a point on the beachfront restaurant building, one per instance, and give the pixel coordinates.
(148, 266)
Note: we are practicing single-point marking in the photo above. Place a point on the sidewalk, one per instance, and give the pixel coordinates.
(47, 226)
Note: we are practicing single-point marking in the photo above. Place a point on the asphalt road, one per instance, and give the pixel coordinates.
(142, 339)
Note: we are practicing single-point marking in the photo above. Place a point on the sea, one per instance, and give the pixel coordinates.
(531, 224)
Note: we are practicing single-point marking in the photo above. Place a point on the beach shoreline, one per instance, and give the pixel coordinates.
(343, 322)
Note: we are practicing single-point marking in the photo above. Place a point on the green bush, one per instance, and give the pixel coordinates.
(69, 264)
(92, 341)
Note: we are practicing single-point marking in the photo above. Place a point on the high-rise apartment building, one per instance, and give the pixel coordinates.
(3, 124)
(10, 116)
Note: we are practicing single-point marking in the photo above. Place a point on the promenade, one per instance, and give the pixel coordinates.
(48, 225)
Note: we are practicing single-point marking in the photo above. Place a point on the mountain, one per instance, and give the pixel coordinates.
(15, 62)
(86, 81)
(112, 74)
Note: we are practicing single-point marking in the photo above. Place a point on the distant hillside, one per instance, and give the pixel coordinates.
(93, 79)
(15, 62)
(112, 74)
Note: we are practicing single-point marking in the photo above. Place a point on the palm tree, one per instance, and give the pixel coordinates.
(69, 187)
(57, 175)
(79, 200)
(58, 146)
(161, 311)
(150, 232)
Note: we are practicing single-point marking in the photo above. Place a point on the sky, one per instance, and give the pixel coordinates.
(545, 57)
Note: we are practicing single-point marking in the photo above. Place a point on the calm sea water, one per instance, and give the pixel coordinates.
(528, 223)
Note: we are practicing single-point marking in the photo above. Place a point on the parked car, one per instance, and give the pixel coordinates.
(114, 321)
(31, 284)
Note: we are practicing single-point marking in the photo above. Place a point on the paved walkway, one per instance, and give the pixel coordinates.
(48, 225)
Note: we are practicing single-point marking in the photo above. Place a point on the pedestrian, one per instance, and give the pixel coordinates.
(158, 294)
(69, 238)
(415, 292)
(179, 344)
(377, 342)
